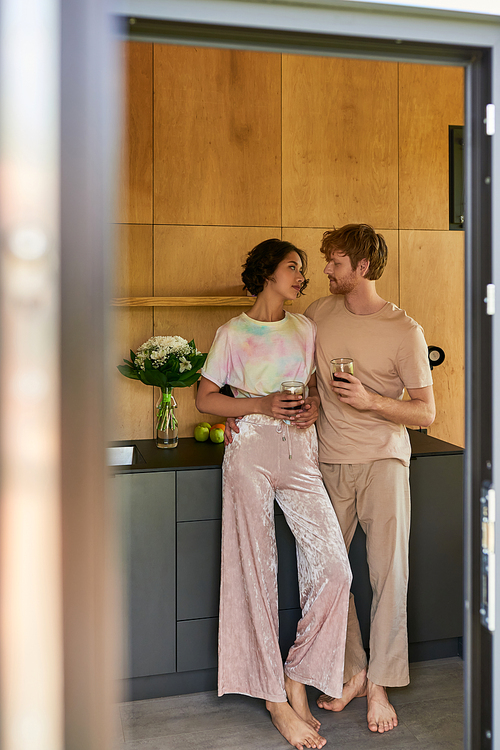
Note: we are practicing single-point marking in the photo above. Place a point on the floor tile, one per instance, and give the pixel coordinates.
(266, 737)
(351, 735)
(444, 680)
(187, 713)
(250, 737)
(435, 720)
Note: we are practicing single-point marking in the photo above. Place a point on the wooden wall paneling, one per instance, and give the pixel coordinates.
(217, 147)
(133, 401)
(136, 183)
(340, 142)
(431, 99)
(203, 260)
(310, 241)
(432, 292)
(199, 261)
(133, 271)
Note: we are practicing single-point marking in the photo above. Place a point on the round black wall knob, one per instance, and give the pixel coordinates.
(436, 356)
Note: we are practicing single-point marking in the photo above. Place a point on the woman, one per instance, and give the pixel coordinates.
(275, 459)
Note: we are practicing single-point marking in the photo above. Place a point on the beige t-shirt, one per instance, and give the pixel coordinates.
(389, 353)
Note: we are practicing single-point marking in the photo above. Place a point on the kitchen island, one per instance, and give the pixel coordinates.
(169, 505)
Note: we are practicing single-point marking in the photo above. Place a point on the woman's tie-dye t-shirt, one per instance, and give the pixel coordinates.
(254, 357)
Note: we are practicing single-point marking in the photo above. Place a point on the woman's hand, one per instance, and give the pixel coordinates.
(280, 405)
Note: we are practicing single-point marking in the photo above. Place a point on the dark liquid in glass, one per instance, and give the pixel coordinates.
(337, 377)
(293, 408)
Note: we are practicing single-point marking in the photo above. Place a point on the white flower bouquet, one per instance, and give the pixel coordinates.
(167, 362)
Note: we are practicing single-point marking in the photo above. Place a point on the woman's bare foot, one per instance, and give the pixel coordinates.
(381, 715)
(354, 688)
(297, 698)
(293, 728)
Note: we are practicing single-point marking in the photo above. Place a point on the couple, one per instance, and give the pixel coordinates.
(363, 462)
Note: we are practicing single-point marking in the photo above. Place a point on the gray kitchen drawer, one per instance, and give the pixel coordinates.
(197, 644)
(199, 495)
(146, 507)
(198, 569)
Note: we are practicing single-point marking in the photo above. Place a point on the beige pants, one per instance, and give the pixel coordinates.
(377, 495)
(268, 460)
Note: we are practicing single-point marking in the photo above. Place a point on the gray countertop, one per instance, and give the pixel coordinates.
(190, 454)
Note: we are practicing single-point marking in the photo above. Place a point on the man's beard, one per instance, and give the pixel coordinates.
(345, 286)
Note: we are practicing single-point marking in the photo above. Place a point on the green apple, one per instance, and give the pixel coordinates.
(204, 424)
(217, 435)
(201, 432)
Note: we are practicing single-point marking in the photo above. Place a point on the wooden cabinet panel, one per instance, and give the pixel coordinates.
(203, 261)
(340, 142)
(431, 99)
(136, 184)
(217, 144)
(133, 402)
(432, 292)
(133, 272)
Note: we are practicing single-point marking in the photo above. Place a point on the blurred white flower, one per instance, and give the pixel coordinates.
(159, 348)
(185, 364)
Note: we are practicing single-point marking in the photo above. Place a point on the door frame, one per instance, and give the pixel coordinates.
(405, 35)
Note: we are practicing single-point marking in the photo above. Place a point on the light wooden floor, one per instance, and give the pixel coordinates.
(430, 718)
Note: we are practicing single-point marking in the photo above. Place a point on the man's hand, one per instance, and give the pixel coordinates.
(353, 393)
(309, 415)
(419, 410)
(231, 426)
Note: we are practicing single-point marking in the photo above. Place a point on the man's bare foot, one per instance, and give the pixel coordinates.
(381, 715)
(293, 728)
(354, 688)
(297, 698)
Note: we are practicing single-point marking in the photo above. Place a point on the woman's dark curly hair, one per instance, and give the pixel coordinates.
(263, 260)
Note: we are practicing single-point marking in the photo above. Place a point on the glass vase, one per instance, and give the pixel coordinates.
(167, 427)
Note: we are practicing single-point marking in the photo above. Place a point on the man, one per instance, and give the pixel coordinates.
(364, 450)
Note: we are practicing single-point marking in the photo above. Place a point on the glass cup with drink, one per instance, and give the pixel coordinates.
(293, 388)
(341, 365)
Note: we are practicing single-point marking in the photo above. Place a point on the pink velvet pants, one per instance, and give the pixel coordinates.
(269, 460)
